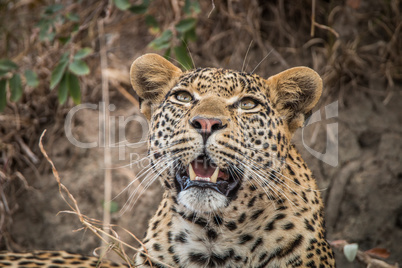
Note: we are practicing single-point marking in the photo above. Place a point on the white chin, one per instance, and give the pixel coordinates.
(202, 200)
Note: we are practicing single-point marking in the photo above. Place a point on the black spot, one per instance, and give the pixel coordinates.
(291, 172)
(211, 234)
(157, 247)
(181, 237)
(263, 256)
(231, 225)
(242, 218)
(155, 225)
(253, 188)
(311, 264)
(245, 238)
(167, 184)
(270, 226)
(257, 243)
(257, 214)
(58, 261)
(293, 245)
(201, 222)
(308, 225)
(251, 202)
(176, 259)
(288, 226)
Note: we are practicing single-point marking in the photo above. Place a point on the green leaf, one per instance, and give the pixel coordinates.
(185, 25)
(58, 72)
(162, 41)
(190, 6)
(350, 251)
(190, 35)
(3, 94)
(64, 39)
(82, 53)
(139, 9)
(75, 28)
(79, 67)
(15, 87)
(64, 57)
(53, 9)
(113, 206)
(63, 89)
(122, 4)
(167, 54)
(32, 78)
(73, 85)
(151, 22)
(3, 73)
(7, 65)
(183, 57)
(73, 17)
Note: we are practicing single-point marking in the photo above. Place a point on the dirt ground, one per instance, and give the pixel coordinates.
(362, 193)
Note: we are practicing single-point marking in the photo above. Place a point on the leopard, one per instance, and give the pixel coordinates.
(236, 191)
(54, 259)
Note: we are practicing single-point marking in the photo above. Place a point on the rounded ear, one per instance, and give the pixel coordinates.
(152, 76)
(294, 93)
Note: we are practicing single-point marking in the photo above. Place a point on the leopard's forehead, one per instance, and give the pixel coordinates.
(222, 82)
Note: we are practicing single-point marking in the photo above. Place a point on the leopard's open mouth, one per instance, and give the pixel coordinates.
(203, 173)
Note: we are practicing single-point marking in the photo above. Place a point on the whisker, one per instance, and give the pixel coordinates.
(273, 187)
(269, 53)
(145, 184)
(245, 58)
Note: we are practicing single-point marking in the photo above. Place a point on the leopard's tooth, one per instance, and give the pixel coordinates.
(214, 176)
(191, 172)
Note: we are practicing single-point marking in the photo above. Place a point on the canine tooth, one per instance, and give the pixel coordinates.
(214, 176)
(191, 172)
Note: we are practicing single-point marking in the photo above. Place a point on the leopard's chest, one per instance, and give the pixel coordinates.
(199, 245)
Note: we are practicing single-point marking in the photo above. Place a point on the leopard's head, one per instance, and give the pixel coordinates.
(215, 130)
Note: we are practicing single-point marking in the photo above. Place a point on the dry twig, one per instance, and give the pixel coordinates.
(92, 224)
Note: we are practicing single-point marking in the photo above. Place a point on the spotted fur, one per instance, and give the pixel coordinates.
(53, 259)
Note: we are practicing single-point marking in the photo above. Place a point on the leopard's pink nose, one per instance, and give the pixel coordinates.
(206, 126)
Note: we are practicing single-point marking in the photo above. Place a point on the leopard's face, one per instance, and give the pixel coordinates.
(214, 131)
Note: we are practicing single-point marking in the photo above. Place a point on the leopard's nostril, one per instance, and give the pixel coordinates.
(196, 124)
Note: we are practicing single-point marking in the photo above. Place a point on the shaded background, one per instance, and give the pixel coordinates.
(356, 46)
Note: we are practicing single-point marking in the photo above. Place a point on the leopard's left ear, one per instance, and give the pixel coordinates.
(152, 76)
(294, 93)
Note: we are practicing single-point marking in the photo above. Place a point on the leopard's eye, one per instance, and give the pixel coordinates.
(183, 96)
(247, 104)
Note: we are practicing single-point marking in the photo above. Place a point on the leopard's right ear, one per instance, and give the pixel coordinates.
(152, 76)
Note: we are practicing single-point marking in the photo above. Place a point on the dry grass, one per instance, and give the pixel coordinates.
(106, 232)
